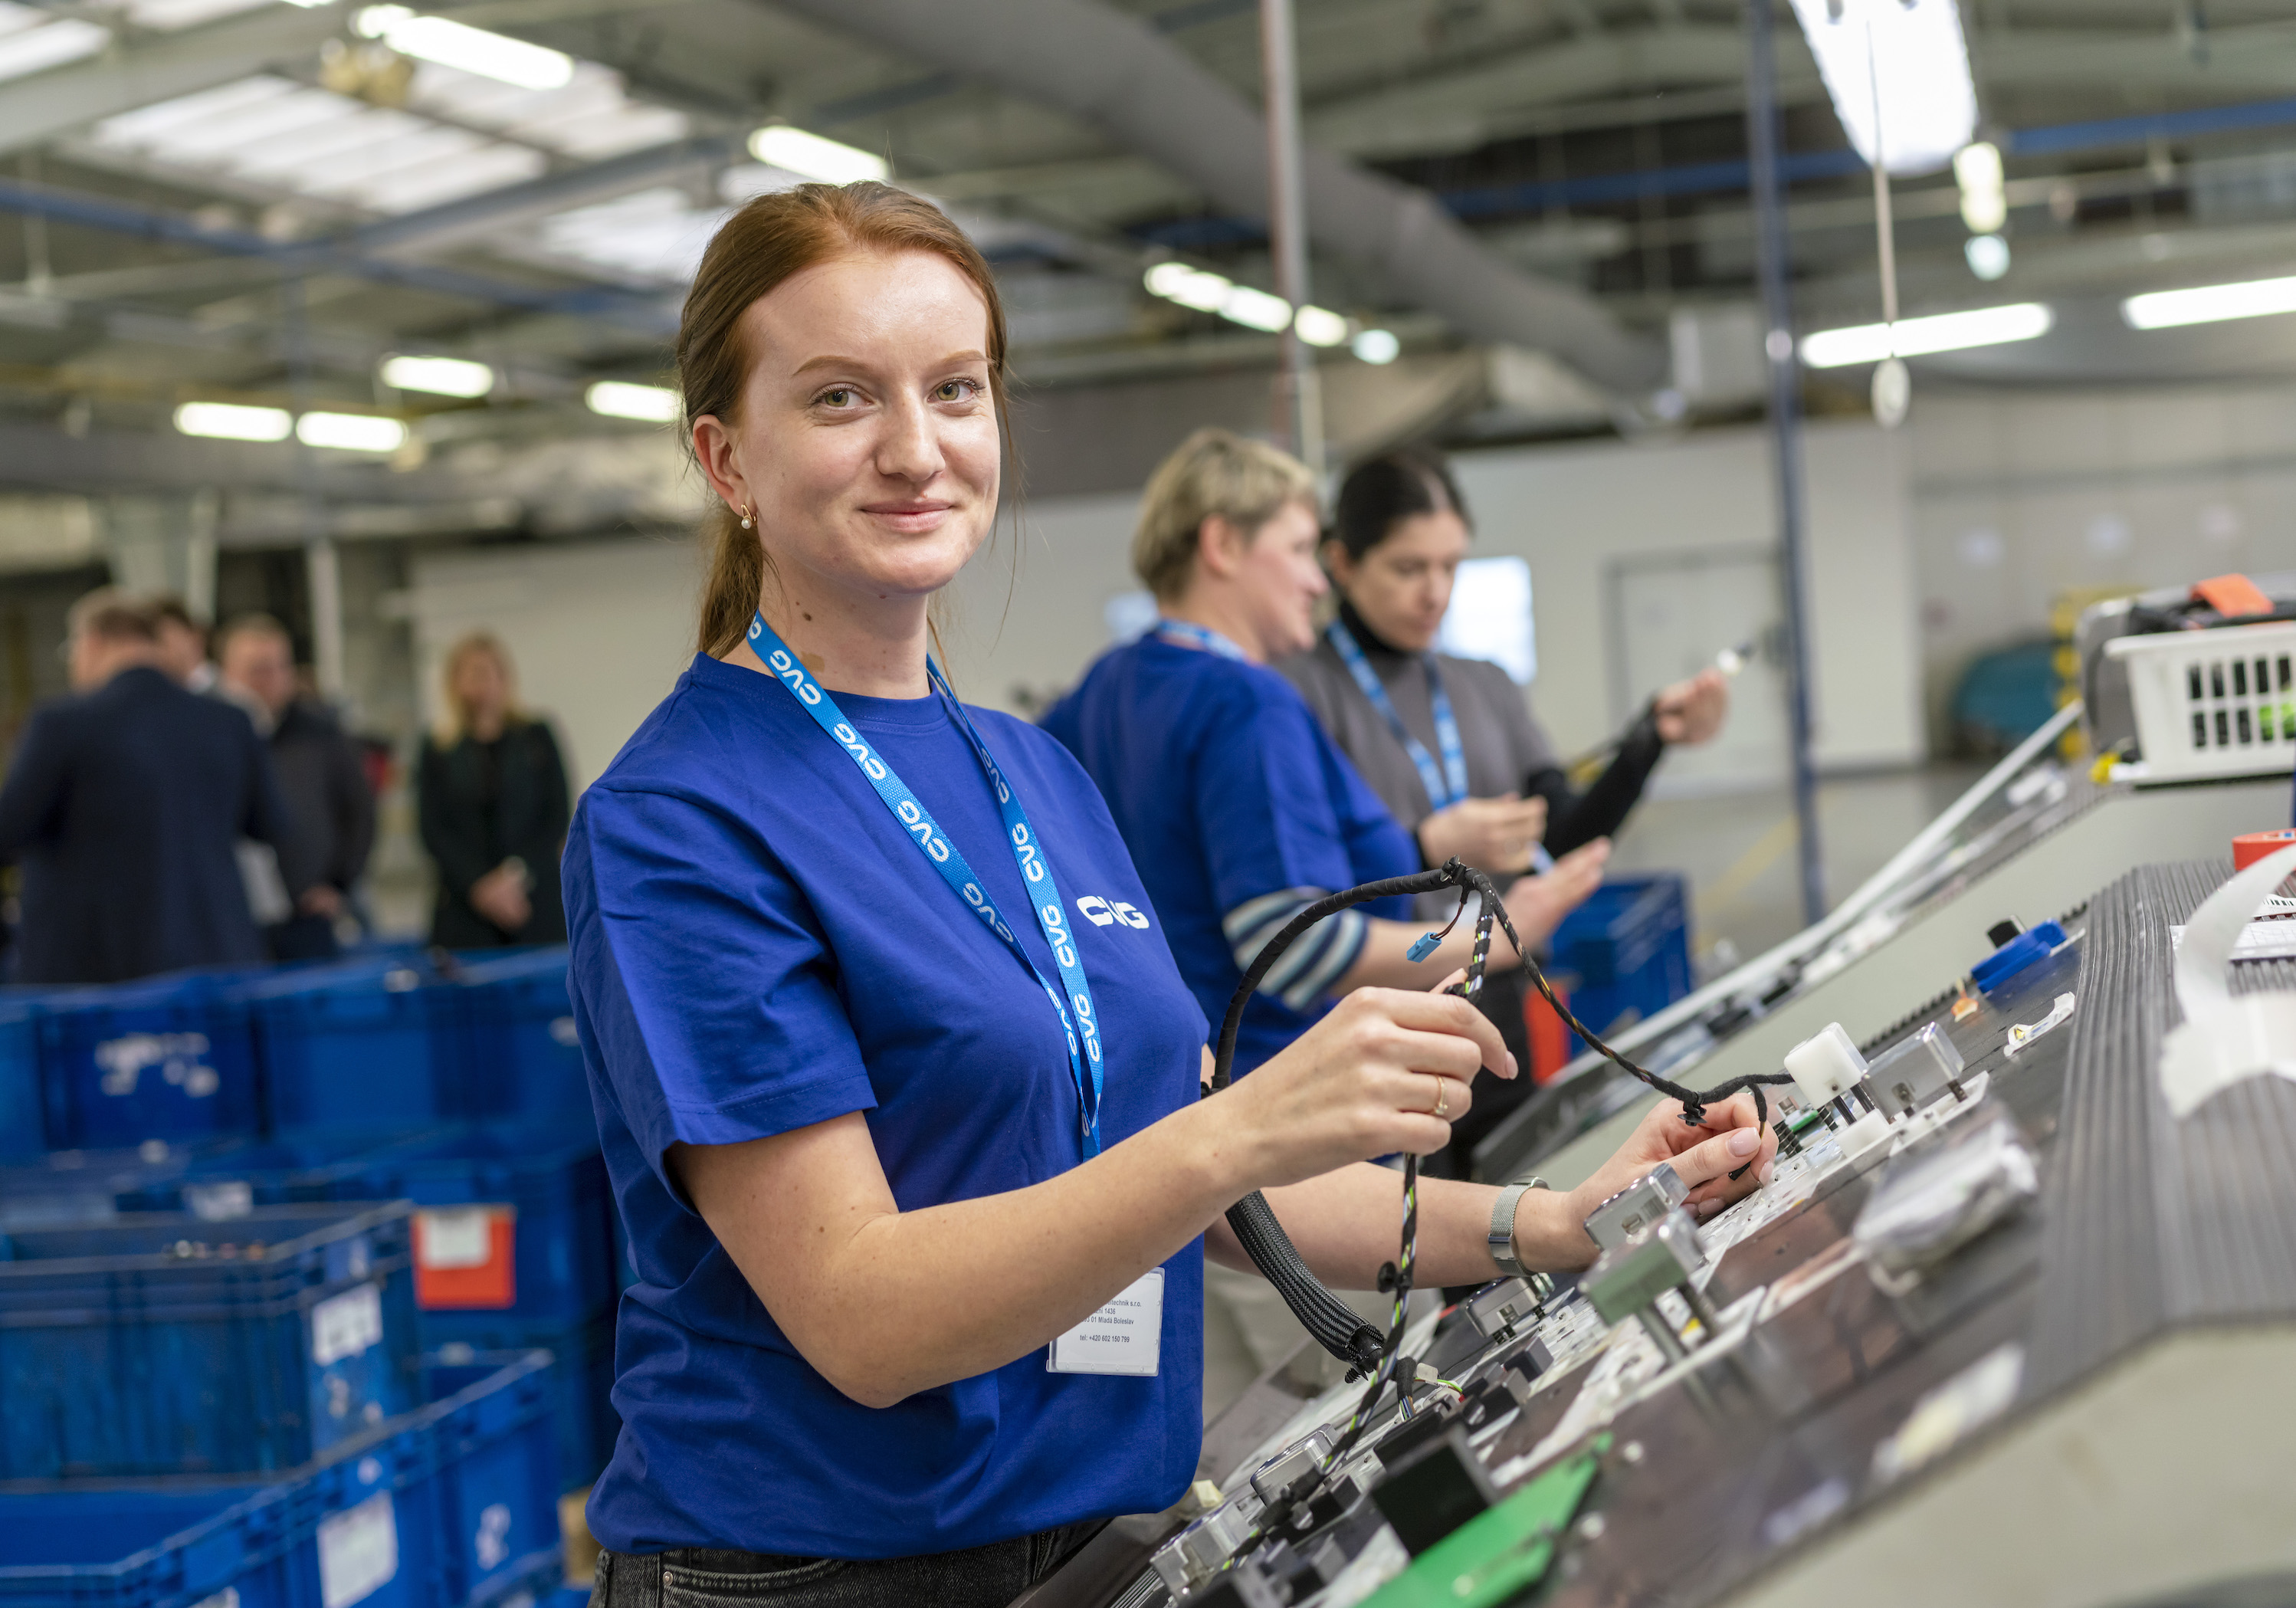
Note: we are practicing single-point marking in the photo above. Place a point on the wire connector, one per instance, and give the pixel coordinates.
(1424, 946)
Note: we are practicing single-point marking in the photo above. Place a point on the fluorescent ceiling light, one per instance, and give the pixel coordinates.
(621, 399)
(1256, 309)
(30, 42)
(1920, 337)
(1320, 327)
(468, 49)
(1376, 346)
(351, 432)
(1984, 199)
(811, 156)
(1209, 292)
(1898, 72)
(232, 422)
(1987, 256)
(1197, 287)
(440, 376)
(2210, 304)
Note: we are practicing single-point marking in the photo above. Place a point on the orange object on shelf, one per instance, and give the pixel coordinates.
(2231, 595)
(2250, 846)
(1550, 1039)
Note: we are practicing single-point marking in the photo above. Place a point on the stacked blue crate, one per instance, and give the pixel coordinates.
(363, 1074)
(23, 1115)
(161, 1345)
(516, 1248)
(453, 1505)
(517, 1034)
(355, 1047)
(1627, 950)
(171, 1058)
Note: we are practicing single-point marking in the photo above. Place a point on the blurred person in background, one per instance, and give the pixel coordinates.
(494, 808)
(124, 803)
(1450, 744)
(182, 643)
(322, 772)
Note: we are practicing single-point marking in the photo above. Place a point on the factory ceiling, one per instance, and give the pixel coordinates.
(256, 203)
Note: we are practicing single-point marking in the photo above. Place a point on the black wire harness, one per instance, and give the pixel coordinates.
(1336, 1327)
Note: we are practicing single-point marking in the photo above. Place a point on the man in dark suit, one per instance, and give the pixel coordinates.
(124, 803)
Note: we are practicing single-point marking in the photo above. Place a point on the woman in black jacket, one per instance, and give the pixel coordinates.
(494, 808)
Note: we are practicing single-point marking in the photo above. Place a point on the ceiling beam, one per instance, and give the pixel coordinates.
(490, 212)
(1113, 73)
(161, 67)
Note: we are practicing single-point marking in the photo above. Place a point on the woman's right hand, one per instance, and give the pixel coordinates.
(500, 896)
(1536, 905)
(1494, 835)
(1362, 1082)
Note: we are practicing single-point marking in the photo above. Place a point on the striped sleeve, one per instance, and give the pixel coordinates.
(1316, 960)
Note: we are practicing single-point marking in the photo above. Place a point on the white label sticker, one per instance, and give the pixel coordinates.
(346, 1325)
(358, 1552)
(491, 1546)
(1125, 1336)
(221, 1201)
(457, 1236)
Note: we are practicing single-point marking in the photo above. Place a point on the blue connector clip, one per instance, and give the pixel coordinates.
(1425, 945)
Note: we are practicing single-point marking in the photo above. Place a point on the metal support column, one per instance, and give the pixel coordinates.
(1772, 251)
(322, 574)
(1299, 401)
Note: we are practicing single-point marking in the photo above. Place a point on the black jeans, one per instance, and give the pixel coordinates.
(701, 1576)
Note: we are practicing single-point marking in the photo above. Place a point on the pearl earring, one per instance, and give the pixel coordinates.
(745, 516)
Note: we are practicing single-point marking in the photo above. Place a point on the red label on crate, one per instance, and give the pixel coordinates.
(465, 1257)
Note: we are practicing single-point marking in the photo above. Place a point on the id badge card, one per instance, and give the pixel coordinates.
(1123, 1337)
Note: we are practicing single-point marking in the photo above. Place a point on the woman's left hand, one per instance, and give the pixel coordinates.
(1705, 1154)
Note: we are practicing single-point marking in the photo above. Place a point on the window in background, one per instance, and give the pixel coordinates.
(1490, 617)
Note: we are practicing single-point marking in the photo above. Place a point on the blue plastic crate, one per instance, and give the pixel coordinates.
(172, 1058)
(357, 1044)
(24, 1109)
(69, 1186)
(1629, 948)
(1626, 926)
(159, 1344)
(302, 1168)
(537, 1190)
(461, 1347)
(453, 1504)
(517, 1036)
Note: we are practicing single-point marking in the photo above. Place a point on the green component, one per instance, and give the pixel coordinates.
(1494, 1556)
(1803, 1123)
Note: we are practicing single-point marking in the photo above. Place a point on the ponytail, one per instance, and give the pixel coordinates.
(737, 573)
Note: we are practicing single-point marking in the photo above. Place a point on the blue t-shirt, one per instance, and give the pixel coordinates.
(1232, 799)
(757, 947)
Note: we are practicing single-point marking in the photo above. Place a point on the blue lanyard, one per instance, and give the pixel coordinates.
(1186, 634)
(934, 844)
(1444, 787)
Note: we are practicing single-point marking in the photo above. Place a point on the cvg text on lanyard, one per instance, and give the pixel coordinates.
(1087, 1056)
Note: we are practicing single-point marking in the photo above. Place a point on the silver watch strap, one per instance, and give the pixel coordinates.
(1502, 1231)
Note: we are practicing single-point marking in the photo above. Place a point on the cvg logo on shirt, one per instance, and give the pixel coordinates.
(1107, 913)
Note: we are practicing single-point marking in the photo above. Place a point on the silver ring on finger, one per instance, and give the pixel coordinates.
(1442, 1096)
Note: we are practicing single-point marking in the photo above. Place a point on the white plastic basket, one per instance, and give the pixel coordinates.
(2218, 702)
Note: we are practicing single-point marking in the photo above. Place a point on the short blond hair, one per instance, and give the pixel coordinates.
(1214, 473)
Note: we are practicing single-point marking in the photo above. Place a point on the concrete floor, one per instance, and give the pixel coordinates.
(1738, 850)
